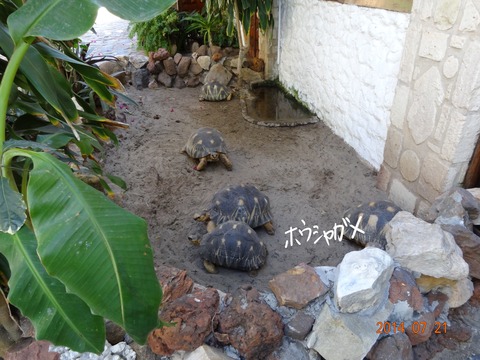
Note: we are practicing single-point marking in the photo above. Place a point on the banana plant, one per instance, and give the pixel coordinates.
(74, 257)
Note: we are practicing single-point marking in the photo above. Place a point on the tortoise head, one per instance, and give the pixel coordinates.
(203, 217)
(196, 233)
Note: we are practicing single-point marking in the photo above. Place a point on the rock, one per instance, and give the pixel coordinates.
(363, 280)
(122, 76)
(395, 347)
(437, 302)
(206, 352)
(161, 54)
(299, 326)
(153, 84)
(193, 81)
(202, 50)
(194, 318)
(475, 192)
(138, 61)
(459, 293)
(28, 348)
(110, 67)
(424, 248)
(140, 78)
(170, 66)
(256, 64)
(250, 76)
(470, 245)
(179, 83)
(421, 329)
(355, 334)
(249, 325)
(114, 333)
(428, 283)
(217, 57)
(195, 68)
(155, 67)
(219, 73)
(194, 47)
(183, 66)
(175, 282)
(177, 57)
(290, 350)
(204, 62)
(404, 288)
(453, 335)
(214, 49)
(165, 79)
(455, 207)
(297, 287)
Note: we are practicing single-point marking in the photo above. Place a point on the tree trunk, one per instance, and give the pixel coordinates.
(243, 43)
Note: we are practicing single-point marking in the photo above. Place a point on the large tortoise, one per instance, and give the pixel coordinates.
(375, 216)
(233, 245)
(207, 145)
(242, 202)
(214, 91)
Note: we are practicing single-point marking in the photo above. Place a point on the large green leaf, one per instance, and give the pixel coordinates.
(54, 19)
(98, 250)
(12, 208)
(58, 317)
(68, 19)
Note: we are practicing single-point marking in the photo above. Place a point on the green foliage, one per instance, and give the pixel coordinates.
(161, 31)
(80, 256)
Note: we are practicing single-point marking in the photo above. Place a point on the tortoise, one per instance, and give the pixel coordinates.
(242, 202)
(207, 145)
(375, 216)
(214, 91)
(234, 245)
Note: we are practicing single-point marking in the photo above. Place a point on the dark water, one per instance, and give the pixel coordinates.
(269, 106)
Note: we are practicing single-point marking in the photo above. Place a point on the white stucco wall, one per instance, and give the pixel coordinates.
(343, 61)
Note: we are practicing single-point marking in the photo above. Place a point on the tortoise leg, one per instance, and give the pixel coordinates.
(253, 273)
(269, 228)
(210, 226)
(201, 165)
(226, 161)
(210, 267)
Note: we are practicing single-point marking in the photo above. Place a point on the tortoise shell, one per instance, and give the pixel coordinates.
(242, 202)
(205, 141)
(375, 216)
(234, 245)
(214, 91)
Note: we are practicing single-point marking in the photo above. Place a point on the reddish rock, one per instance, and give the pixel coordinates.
(249, 325)
(194, 318)
(256, 64)
(450, 336)
(297, 287)
(395, 347)
(30, 349)
(438, 298)
(217, 56)
(175, 282)
(421, 328)
(404, 288)
(170, 66)
(183, 66)
(161, 54)
(470, 245)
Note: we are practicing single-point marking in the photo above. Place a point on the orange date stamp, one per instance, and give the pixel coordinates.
(417, 327)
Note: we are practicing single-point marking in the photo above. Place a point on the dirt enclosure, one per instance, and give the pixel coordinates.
(307, 172)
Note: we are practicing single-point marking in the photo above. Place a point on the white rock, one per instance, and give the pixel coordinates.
(206, 352)
(363, 280)
(204, 62)
(424, 248)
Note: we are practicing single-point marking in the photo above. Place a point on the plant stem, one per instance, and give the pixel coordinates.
(6, 86)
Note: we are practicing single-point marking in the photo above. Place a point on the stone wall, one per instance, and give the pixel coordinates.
(435, 119)
(343, 62)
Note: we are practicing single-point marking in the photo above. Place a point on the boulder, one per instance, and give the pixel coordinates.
(299, 325)
(161, 54)
(175, 282)
(404, 288)
(183, 66)
(141, 78)
(170, 66)
(204, 62)
(470, 245)
(394, 347)
(165, 79)
(219, 73)
(195, 68)
(455, 207)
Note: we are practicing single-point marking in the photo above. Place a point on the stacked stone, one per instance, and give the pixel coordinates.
(434, 117)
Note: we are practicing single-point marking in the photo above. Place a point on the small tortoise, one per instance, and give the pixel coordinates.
(214, 91)
(233, 245)
(375, 216)
(240, 203)
(207, 145)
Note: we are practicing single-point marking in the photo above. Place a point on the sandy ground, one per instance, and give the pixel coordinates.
(307, 172)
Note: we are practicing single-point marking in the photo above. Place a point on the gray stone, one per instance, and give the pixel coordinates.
(195, 68)
(202, 50)
(291, 350)
(218, 73)
(165, 79)
(206, 352)
(193, 81)
(363, 280)
(179, 83)
(204, 62)
(470, 245)
(395, 347)
(194, 47)
(110, 67)
(177, 57)
(455, 207)
(338, 336)
(141, 78)
(183, 66)
(424, 248)
(138, 61)
(299, 326)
